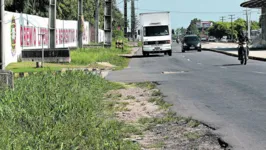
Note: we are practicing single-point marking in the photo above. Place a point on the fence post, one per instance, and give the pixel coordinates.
(2, 64)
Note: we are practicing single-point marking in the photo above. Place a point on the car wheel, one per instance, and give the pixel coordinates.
(183, 51)
(199, 50)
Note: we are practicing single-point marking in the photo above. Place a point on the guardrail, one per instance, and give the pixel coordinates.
(58, 55)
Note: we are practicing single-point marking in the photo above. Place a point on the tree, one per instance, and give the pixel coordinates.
(220, 29)
(255, 25)
(66, 10)
(192, 28)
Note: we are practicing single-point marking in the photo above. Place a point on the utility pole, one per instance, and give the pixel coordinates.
(125, 17)
(2, 65)
(247, 22)
(52, 23)
(232, 18)
(108, 23)
(133, 19)
(223, 18)
(97, 21)
(80, 22)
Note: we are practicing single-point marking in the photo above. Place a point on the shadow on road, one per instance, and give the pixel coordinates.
(228, 65)
(141, 56)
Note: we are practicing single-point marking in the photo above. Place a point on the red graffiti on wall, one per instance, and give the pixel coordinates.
(45, 32)
(28, 36)
(31, 36)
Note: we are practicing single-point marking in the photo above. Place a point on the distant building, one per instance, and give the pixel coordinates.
(204, 24)
(259, 4)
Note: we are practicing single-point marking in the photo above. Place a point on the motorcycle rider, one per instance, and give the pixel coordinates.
(242, 38)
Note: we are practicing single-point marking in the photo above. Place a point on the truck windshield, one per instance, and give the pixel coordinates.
(156, 31)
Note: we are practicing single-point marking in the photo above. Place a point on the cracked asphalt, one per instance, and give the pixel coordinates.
(210, 87)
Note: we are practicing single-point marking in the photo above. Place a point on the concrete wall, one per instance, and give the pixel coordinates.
(23, 31)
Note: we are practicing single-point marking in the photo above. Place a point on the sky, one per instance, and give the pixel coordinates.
(183, 11)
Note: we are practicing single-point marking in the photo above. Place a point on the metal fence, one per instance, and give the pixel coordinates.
(6, 79)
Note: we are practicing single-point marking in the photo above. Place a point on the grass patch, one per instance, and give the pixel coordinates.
(147, 85)
(140, 44)
(169, 117)
(89, 56)
(81, 58)
(192, 135)
(160, 102)
(193, 123)
(65, 111)
(114, 96)
(156, 93)
(131, 97)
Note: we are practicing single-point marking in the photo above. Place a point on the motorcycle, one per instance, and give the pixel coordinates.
(243, 53)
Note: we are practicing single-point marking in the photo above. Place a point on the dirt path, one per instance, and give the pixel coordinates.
(142, 106)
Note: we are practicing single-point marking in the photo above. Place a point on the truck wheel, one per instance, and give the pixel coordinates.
(170, 53)
(145, 53)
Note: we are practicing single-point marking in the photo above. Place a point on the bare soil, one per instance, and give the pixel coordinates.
(159, 129)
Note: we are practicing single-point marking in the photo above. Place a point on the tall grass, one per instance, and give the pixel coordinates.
(65, 111)
(93, 55)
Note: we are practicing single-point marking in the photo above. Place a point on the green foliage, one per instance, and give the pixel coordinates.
(255, 25)
(192, 28)
(66, 9)
(220, 29)
(65, 111)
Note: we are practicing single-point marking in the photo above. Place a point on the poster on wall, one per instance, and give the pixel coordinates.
(13, 36)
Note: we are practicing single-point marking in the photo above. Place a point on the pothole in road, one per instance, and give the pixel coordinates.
(174, 72)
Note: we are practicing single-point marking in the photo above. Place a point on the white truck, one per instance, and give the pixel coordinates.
(155, 33)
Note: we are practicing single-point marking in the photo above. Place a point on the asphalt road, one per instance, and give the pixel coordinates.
(212, 88)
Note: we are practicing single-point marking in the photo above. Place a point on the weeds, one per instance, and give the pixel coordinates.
(89, 56)
(160, 102)
(148, 85)
(192, 135)
(156, 93)
(65, 111)
(131, 97)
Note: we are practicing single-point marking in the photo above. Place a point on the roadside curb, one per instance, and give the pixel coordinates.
(132, 53)
(101, 72)
(234, 55)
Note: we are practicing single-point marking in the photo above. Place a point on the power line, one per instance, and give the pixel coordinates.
(182, 12)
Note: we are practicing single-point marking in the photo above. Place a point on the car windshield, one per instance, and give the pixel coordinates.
(191, 39)
(156, 31)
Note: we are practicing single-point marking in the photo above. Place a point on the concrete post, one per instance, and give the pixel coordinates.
(125, 17)
(97, 21)
(80, 22)
(133, 20)
(2, 65)
(108, 23)
(52, 23)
